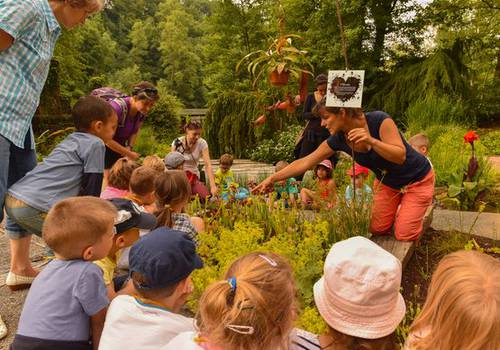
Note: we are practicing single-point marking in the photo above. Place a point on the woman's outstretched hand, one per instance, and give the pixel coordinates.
(263, 186)
(360, 135)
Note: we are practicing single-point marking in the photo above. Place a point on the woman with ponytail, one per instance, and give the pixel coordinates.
(253, 308)
(173, 193)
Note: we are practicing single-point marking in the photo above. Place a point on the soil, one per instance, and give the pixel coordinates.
(433, 246)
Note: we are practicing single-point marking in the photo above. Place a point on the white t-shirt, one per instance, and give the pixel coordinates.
(192, 156)
(131, 324)
(184, 341)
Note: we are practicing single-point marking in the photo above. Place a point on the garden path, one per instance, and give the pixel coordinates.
(484, 224)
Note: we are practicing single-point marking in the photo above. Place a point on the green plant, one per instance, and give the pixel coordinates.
(148, 144)
(164, 117)
(281, 57)
(413, 309)
(47, 141)
(491, 140)
(280, 147)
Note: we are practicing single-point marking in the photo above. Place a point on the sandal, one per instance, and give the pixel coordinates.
(18, 282)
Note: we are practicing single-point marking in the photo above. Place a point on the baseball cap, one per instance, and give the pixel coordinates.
(327, 164)
(173, 160)
(164, 257)
(358, 294)
(358, 169)
(130, 216)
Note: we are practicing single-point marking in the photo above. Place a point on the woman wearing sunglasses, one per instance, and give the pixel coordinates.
(131, 112)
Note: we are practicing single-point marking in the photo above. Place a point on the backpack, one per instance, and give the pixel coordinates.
(111, 94)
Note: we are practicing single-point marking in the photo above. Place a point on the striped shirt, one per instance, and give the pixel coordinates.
(304, 340)
(24, 66)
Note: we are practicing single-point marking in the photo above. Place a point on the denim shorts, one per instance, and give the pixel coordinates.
(22, 219)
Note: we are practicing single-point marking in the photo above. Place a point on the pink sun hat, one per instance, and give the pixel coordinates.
(327, 164)
(358, 294)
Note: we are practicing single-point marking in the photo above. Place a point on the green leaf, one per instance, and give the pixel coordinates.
(454, 191)
(469, 186)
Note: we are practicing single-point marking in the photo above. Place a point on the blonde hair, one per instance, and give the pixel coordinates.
(419, 140)
(257, 311)
(76, 223)
(171, 188)
(280, 165)
(154, 162)
(462, 309)
(142, 181)
(120, 173)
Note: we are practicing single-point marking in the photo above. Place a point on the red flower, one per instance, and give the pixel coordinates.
(471, 136)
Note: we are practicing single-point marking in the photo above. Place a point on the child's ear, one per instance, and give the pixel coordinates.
(120, 242)
(88, 253)
(97, 125)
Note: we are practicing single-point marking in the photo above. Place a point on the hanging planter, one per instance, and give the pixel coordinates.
(280, 61)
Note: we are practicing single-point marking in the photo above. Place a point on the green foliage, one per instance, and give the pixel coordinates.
(413, 309)
(124, 79)
(148, 144)
(164, 117)
(48, 140)
(235, 229)
(278, 148)
(491, 140)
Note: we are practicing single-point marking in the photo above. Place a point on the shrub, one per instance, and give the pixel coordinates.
(148, 144)
(47, 141)
(491, 140)
(164, 118)
(278, 148)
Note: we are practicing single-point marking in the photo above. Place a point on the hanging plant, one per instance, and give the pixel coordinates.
(280, 61)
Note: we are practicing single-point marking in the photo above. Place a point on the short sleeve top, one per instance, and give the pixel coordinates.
(60, 175)
(414, 168)
(192, 156)
(61, 301)
(128, 127)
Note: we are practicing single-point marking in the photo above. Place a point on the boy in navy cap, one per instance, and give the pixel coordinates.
(161, 263)
(127, 225)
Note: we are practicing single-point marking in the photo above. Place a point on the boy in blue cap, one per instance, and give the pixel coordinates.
(161, 263)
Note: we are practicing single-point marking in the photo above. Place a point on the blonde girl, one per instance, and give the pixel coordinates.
(154, 162)
(119, 179)
(325, 187)
(173, 193)
(253, 308)
(462, 310)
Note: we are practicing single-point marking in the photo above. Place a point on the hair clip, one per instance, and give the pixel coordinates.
(232, 283)
(240, 329)
(269, 260)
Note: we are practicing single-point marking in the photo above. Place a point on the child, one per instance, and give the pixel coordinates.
(462, 309)
(287, 189)
(160, 266)
(363, 191)
(358, 297)
(174, 161)
(253, 308)
(224, 179)
(142, 186)
(130, 219)
(67, 301)
(325, 190)
(154, 162)
(420, 143)
(119, 179)
(173, 193)
(74, 168)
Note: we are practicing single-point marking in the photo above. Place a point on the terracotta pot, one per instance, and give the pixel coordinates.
(277, 79)
(260, 120)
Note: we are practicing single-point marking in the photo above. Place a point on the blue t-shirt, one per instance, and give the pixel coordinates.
(61, 300)
(60, 175)
(414, 168)
(361, 193)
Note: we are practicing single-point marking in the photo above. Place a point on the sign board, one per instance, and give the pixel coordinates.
(345, 88)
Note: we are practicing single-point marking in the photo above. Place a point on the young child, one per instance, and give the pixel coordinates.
(119, 179)
(462, 309)
(174, 161)
(358, 297)
(160, 267)
(363, 191)
(173, 193)
(154, 162)
(253, 308)
(420, 143)
(286, 190)
(129, 220)
(142, 187)
(74, 168)
(224, 179)
(67, 302)
(325, 187)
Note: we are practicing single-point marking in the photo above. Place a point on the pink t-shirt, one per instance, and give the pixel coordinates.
(112, 192)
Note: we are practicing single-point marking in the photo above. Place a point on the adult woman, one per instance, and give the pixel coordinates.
(192, 147)
(404, 177)
(313, 134)
(131, 112)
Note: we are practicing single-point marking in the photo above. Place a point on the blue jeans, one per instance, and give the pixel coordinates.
(15, 162)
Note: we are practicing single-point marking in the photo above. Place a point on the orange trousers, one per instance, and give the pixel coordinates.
(412, 200)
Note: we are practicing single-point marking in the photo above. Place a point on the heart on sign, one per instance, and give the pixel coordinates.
(343, 89)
